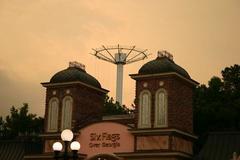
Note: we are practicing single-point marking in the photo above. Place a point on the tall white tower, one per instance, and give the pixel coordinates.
(120, 55)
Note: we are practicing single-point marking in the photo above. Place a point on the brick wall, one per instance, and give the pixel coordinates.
(87, 103)
(179, 100)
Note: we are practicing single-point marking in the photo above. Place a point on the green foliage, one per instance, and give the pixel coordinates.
(217, 106)
(231, 78)
(114, 108)
(20, 123)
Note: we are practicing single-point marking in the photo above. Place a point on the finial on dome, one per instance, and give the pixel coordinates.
(165, 53)
(77, 65)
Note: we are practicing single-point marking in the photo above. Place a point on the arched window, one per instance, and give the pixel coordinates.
(67, 112)
(53, 115)
(161, 108)
(144, 118)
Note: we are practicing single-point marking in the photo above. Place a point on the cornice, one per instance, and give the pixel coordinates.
(138, 76)
(48, 84)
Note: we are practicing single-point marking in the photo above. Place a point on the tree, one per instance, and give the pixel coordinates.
(231, 78)
(114, 108)
(2, 127)
(217, 106)
(20, 123)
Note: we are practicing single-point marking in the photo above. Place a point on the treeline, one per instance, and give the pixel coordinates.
(114, 108)
(217, 106)
(20, 123)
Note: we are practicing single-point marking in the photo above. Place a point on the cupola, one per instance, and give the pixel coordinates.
(162, 64)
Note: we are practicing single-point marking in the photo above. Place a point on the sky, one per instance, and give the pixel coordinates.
(39, 37)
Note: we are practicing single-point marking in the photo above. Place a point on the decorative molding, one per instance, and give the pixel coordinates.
(137, 76)
(153, 154)
(161, 83)
(160, 131)
(56, 134)
(68, 91)
(145, 84)
(54, 92)
(48, 84)
(118, 117)
(49, 156)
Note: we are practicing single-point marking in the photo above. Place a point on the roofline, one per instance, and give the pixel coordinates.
(49, 134)
(224, 133)
(152, 131)
(136, 76)
(48, 156)
(48, 84)
(104, 121)
(152, 154)
(118, 117)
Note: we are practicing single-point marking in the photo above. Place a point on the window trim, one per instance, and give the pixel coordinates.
(63, 103)
(140, 114)
(156, 125)
(56, 115)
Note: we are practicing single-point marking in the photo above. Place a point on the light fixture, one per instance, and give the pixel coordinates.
(67, 135)
(57, 146)
(75, 146)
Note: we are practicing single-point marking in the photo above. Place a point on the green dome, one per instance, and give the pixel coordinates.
(162, 65)
(72, 74)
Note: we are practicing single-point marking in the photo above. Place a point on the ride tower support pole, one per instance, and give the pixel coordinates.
(119, 82)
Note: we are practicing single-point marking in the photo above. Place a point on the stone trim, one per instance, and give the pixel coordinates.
(152, 154)
(55, 135)
(162, 131)
(137, 76)
(118, 117)
(49, 156)
(48, 84)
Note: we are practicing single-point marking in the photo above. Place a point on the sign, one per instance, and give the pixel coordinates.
(105, 137)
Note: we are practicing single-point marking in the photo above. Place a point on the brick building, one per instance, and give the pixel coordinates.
(161, 127)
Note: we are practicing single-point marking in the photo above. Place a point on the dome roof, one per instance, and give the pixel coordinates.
(72, 74)
(162, 65)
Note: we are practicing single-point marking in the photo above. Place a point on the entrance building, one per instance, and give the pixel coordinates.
(160, 128)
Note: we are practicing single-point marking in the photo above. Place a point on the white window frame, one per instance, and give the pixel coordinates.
(52, 125)
(144, 116)
(158, 108)
(68, 113)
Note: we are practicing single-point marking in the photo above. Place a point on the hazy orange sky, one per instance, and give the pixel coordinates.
(39, 38)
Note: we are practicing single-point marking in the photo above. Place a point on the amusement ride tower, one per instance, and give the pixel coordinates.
(120, 55)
